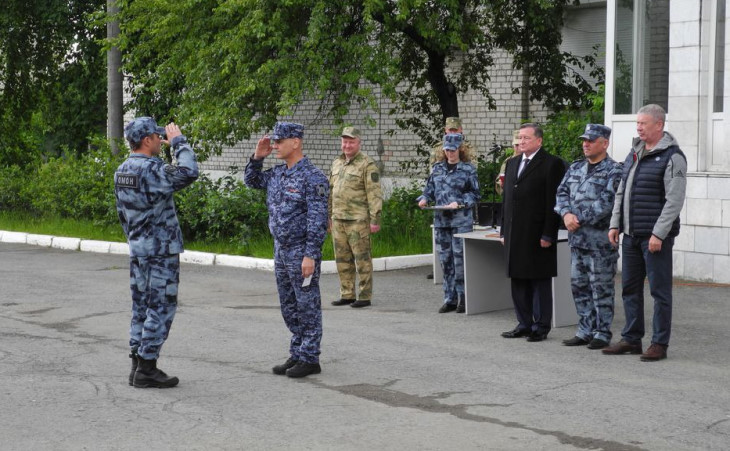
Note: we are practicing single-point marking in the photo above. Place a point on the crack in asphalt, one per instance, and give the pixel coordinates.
(430, 404)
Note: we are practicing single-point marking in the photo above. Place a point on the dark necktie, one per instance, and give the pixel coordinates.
(524, 165)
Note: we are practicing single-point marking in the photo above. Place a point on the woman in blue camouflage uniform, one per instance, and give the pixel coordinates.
(452, 186)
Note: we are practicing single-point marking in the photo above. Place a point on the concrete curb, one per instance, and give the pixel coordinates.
(200, 258)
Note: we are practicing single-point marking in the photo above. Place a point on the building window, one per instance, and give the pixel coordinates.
(642, 54)
(719, 89)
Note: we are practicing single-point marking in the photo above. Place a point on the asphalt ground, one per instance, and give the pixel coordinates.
(395, 376)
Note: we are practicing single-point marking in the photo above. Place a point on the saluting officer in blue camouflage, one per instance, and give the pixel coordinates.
(585, 201)
(144, 187)
(296, 196)
(452, 184)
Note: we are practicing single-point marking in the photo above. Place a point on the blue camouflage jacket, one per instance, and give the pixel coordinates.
(296, 198)
(458, 185)
(590, 198)
(144, 188)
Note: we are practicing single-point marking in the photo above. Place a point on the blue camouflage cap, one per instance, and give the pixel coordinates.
(140, 127)
(594, 131)
(452, 141)
(284, 130)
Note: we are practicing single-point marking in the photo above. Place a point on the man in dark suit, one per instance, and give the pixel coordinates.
(530, 232)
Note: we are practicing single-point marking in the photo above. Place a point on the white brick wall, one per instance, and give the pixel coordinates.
(482, 127)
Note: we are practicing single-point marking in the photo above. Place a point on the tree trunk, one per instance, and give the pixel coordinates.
(444, 90)
(115, 88)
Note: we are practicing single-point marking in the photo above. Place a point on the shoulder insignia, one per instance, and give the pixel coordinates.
(127, 181)
(374, 176)
(320, 190)
(170, 169)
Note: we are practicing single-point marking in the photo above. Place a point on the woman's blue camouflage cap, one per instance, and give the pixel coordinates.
(140, 127)
(452, 141)
(594, 131)
(284, 130)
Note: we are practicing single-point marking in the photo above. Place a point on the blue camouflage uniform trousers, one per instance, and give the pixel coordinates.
(591, 274)
(300, 306)
(588, 192)
(451, 258)
(154, 282)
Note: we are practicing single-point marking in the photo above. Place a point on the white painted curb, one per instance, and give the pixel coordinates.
(328, 267)
(201, 258)
(14, 237)
(100, 247)
(240, 261)
(408, 261)
(119, 248)
(39, 240)
(197, 258)
(68, 244)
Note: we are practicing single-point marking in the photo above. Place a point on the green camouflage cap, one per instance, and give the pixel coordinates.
(351, 132)
(453, 122)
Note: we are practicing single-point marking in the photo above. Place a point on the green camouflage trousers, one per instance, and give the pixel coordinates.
(351, 241)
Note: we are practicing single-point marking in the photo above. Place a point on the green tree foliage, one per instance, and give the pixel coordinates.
(228, 68)
(52, 77)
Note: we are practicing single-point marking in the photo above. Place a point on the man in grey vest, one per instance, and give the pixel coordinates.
(646, 210)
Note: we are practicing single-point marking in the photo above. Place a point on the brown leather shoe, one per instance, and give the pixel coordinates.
(654, 353)
(622, 347)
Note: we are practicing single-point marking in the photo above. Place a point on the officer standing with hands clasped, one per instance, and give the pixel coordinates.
(296, 197)
(144, 187)
(355, 204)
(585, 202)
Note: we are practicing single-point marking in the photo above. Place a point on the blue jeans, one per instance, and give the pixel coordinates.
(637, 264)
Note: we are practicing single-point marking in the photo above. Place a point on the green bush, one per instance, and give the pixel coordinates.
(401, 213)
(12, 180)
(563, 128)
(76, 187)
(221, 210)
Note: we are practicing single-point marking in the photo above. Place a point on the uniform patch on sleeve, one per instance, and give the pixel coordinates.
(321, 190)
(127, 181)
(170, 169)
(374, 176)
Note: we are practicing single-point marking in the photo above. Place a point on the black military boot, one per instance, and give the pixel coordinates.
(281, 369)
(135, 361)
(461, 306)
(302, 369)
(149, 376)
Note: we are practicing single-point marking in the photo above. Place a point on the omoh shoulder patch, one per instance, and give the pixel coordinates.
(320, 190)
(127, 181)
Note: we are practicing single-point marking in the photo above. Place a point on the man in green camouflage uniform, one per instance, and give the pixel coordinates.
(355, 203)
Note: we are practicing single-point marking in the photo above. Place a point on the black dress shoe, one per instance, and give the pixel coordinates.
(537, 336)
(576, 341)
(597, 343)
(360, 304)
(447, 308)
(342, 302)
(516, 333)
